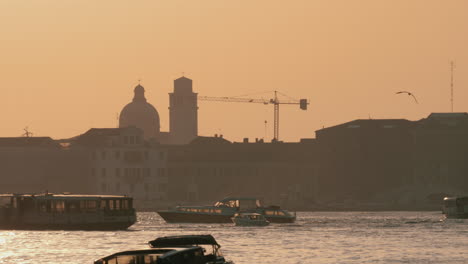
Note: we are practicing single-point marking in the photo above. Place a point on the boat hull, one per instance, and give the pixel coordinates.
(83, 226)
(182, 217)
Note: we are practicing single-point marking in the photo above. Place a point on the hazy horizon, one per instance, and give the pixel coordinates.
(68, 66)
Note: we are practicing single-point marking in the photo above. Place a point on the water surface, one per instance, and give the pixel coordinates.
(316, 237)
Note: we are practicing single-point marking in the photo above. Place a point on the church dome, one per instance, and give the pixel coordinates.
(141, 114)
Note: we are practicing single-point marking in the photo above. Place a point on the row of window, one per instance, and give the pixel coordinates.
(198, 210)
(132, 172)
(61, 206)
(107, 187)
(127, 155)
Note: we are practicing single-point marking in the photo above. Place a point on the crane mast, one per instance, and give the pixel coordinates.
(274, 101)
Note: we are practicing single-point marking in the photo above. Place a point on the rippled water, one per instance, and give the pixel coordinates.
(316, 237)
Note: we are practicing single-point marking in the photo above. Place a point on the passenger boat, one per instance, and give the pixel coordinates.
(66, 212)
(187, 249)
(456, 207)
(223, 210)
(250, 219)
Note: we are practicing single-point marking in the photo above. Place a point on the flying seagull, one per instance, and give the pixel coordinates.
(408, 93)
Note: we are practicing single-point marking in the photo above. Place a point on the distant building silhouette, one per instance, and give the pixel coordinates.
(183, 115)
(183, 112)
(141, 114)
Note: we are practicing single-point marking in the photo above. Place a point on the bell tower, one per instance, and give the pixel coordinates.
(183, 112)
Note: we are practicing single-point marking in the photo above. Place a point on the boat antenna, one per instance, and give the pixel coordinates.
(452, 67)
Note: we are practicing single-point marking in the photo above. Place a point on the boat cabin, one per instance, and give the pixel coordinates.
(242, 203)
(65, 211)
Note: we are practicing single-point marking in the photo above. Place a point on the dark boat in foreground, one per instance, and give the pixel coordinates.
(456, 207)
(223, 210)
(66, 212)
(188, 249)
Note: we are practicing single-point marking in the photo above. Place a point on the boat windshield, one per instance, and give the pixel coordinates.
(242, 204)
(230, 203)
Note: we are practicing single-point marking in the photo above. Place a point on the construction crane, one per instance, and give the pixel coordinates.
(276, 102)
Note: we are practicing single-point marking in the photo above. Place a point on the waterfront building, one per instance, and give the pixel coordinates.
(123, 163)
(211, 168)
(40, 164)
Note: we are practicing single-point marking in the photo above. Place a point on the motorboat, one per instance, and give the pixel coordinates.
(456, 207)
(222, 212)
(186, 249)
(249, 219)
(191, 255)
(66, 212)
(212, 250)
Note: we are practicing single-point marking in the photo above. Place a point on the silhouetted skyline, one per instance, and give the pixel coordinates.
(69, 66)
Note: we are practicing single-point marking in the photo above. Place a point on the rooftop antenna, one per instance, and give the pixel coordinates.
(117, 119)
(27, 133)
(452, 67)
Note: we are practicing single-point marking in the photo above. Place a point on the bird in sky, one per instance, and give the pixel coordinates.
(408, 93)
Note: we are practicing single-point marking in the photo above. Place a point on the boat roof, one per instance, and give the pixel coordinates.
(177, 241)
(65, 196)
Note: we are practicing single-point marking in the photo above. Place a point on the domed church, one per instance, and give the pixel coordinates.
(141, 114)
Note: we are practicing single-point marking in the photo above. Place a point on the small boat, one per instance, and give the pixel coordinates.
(223, 210)
(456, 207)
(212, 249)
(187, 249)
(66, 212)
(250, 219)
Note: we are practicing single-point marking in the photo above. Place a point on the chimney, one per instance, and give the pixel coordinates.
(246, 140)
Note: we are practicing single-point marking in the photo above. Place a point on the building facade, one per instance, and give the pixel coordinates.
(122, 162)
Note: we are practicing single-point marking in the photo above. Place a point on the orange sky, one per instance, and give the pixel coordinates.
(66, 65)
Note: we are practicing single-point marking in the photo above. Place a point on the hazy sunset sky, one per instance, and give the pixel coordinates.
(67, 66)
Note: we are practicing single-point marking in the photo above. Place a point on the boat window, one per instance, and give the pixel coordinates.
(117, 204)
(5, 202)
(205, 210)
(111, 204)
(125, 205)
(103, 204)
(73, 206)
(268, 212)
(248, 204)
(280, 213)
(218, 211)
(58, 206)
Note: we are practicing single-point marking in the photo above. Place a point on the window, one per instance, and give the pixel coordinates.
(103, 187)
(117, 187)
(132, 140)
(146, 155)
(103, 172)
(137, 140)
(125, 139)
(93, 172)
(117, 172)
(161, 155)
(117, 154)
(103, 155)
(132, 187)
